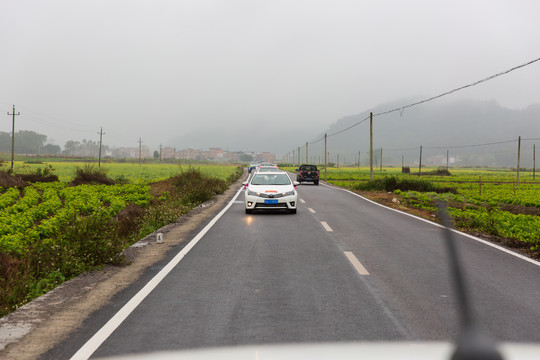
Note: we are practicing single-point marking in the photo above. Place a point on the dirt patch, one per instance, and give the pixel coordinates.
(7, 181)
(38, 326)
(520, 209)
(158, 188)
(393, 201)
(37, 178)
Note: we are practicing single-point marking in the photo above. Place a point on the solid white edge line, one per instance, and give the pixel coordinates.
(532, 261)
(326, 226)
(99, 337)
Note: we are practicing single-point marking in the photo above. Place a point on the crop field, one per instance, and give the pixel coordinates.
(41, 210)
(132, 172)
(483, 200)
(53, 231)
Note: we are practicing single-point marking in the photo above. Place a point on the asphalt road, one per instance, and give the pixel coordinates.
(340, 269)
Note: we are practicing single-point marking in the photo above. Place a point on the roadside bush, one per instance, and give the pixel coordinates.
(195, 188)
(392, 183)
(90, 174)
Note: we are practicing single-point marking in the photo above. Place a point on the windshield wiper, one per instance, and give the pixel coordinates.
(472, 343)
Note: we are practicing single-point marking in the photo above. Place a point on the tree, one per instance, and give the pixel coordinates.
(156, 155)
(71, 147)
(51, 149)
(5, 142)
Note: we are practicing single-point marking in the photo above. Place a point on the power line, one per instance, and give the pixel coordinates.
(402, 108)
(467, 146)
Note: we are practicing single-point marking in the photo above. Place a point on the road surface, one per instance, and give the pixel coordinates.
(341, 269)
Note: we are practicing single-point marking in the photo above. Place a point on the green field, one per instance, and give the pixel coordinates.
(145, 173)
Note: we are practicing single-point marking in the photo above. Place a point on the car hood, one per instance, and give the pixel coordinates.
(342, 351)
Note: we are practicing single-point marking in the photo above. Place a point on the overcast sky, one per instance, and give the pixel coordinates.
(250, 72)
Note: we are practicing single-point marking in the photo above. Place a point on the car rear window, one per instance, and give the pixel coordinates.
(270, 179)
(308, 167)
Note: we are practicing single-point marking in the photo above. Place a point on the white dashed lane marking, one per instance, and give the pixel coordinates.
(357, 265)
(326, 226)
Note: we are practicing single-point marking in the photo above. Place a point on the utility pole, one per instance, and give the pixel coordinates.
(13, 136)
(325, 160)
(299, 162)
(307, 161)
(371, 146)
(446, 160)
(101, 133)
(519, 153)
(140, 150)
(159, 152)
(420, 162)
(534, 160)
(174, 154)
(358, 159)
(293, 158)
(381, 160)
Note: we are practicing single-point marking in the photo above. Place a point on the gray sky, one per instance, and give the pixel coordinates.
(251, 75)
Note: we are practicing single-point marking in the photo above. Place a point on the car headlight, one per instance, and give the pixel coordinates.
(253, 193)
(288, 193)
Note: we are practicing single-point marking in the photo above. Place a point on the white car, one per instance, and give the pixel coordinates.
(270, 191)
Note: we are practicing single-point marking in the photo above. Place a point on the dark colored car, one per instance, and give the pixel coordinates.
(307, 173)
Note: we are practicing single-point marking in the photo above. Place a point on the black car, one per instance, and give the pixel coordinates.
(307, 173)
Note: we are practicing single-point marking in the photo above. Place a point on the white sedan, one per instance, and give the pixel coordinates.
(270, 191)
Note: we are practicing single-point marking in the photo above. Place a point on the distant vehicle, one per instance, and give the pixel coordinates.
(268, 169)
(307, 172)
(270, 191)
(252, 167)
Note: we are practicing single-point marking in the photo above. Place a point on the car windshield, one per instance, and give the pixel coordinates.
(271, 169)
(271, 179)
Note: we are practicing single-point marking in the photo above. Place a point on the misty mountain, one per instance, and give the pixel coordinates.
(461, 127)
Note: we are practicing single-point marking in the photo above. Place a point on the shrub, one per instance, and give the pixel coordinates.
(195, 188)
(89, 174)
(392, 183)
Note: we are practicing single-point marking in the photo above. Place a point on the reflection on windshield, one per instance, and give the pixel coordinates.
(271, 179)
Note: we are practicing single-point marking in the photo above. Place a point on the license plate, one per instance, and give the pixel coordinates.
(270, 201)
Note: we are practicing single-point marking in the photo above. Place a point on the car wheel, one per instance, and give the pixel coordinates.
(316, 182)
(249, 211)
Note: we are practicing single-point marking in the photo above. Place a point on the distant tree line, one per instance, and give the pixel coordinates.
(83, 148)
(28, 142)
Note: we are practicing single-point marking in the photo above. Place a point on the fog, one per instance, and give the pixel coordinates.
(250, 75)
